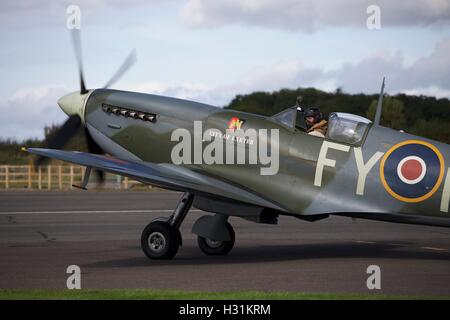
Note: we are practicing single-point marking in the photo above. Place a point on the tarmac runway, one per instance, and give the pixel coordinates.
(42, 233)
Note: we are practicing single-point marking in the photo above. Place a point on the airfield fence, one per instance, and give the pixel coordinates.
(55, 177)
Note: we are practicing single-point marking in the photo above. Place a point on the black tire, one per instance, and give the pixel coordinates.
(160, 240)
(217, 248)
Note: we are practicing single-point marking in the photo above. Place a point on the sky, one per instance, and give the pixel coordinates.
(209, 51)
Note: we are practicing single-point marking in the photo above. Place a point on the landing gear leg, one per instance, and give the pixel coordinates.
(161, 238)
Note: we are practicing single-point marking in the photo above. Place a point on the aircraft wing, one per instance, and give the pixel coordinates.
(163, 175)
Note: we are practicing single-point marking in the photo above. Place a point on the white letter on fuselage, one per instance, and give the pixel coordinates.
(364, 169)
(274, 160)
(198, 142)
(213, 152)
(181, 152)
(324, 161)
(446, 193)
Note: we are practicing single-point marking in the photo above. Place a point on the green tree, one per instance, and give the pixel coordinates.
(392, 115)
(436, 129)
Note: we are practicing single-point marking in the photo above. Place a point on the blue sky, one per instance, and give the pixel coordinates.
(209, 51)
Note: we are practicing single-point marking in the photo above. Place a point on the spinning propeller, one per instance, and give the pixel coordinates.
(72, 104)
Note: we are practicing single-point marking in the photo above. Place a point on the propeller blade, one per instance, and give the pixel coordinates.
(129, 61)
(60, 138)
(93, 147)
(100, 176)
(76, 41)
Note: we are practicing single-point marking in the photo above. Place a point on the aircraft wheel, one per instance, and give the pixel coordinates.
(217, 247)
(160, 240)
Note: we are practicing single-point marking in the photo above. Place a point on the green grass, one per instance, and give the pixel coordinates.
(150, 294)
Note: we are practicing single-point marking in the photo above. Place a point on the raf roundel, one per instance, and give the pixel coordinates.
(412, 171)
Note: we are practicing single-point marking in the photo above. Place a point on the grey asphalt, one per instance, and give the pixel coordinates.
(41, 233)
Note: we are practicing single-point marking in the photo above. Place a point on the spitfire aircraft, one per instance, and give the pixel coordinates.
(360, 169)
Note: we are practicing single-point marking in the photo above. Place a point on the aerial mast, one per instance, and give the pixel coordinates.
(379, 105)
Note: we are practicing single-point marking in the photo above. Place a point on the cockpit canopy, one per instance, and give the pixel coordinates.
(290, 118)
(342, 127)
(347, 128)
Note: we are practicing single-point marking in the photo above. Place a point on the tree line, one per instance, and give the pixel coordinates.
(419, 115)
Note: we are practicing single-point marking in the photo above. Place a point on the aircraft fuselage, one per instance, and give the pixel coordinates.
(389, 172)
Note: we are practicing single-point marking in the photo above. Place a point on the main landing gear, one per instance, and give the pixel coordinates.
(161, 238)
(217, 247)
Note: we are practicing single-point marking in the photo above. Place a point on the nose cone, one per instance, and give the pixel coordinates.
(72, 103)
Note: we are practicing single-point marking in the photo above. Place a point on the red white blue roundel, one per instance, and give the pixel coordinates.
(412, 170)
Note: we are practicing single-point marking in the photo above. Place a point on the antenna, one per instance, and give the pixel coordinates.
(379, 105)
(298, 103)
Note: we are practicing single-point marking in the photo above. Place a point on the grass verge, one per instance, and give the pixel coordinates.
(151, 294)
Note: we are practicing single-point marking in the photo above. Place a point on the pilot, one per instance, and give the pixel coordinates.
(315, 123)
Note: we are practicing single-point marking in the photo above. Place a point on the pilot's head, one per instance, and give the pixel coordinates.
(313, 116)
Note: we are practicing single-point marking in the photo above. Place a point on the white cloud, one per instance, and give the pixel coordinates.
(58, 5)
(433, 91)
(26, 113)
(426, 72)
(427, 75)
(191, 91)
(310, 15)
(49, 12)
(264, 78)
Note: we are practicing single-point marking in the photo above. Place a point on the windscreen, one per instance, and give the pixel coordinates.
(347, 128)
